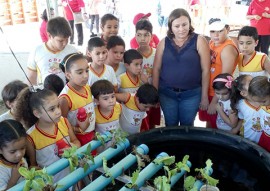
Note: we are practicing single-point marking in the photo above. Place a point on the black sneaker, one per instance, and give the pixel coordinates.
(72, 43)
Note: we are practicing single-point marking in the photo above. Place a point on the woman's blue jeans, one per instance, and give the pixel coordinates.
(179, 106)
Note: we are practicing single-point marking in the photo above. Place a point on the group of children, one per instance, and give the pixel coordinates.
(114, 87)
(243, 103)
(111, 84)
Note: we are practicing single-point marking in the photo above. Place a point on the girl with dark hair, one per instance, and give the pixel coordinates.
(12, 150)
(49, 132)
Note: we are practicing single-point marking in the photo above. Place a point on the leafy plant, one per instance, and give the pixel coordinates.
(75, 161)
(134, 177)
(118, 136)
(162, 183)
(86, 156)
(107, 170)
(37, 180)
(100, 138)
(72, 157)
(202, 176)
(141, 158)
(166, 160)
(203, 172)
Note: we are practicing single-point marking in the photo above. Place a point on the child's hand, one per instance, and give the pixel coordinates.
(15, 171)
(144, 77)
(219, 107)
(85, 124)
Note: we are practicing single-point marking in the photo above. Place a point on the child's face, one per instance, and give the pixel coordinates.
(135, 67)
(143, 37)
(14, 151)
(218, 37)
(247, 45)
(99, 55)
(79, 73)
(52, 107)
(223, 94)
(106, 101)
(115, 54)
(110, 28)
(57, 43)
(145, 107)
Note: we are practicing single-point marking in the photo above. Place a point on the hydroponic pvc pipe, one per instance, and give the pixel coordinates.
(102, 181)
(146, 173)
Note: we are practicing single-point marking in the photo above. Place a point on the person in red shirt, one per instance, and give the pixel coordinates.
(259, 15)
(70, 7)
(43, 26)
(154, 41)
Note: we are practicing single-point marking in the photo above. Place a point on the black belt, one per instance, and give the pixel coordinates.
(178, 89)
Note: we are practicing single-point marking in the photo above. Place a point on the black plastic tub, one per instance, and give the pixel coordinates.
(238, 163)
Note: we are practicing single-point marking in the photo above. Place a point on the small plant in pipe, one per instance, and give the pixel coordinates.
(203, 175)
(107, 170)
(162, 183)
(141, 158)
(75, 161)
(100, 138)
(86, 156)
(134, 177)
(118, 136)
(37, 180)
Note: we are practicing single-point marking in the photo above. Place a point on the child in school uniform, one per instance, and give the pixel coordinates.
(9, 95)
(143, 37)
(134, 107)
(259, 90)
(107, 109)
(77, 94)
(131, 80)
(116, 49)
(12, 150)
(250, 61)
(49, 132)
(109, 27)
(98, 53)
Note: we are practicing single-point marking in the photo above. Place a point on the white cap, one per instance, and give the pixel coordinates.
(216, 24)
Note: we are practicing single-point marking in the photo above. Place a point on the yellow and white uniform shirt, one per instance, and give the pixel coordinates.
(254, 66)
(251, 120)
(126, 84)
(77, 100)
(120, 69)
(107, 74)
(265, 119)
(5, 172)
(50, 146)
(108, 123)
(131, 117)
(45, 62)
